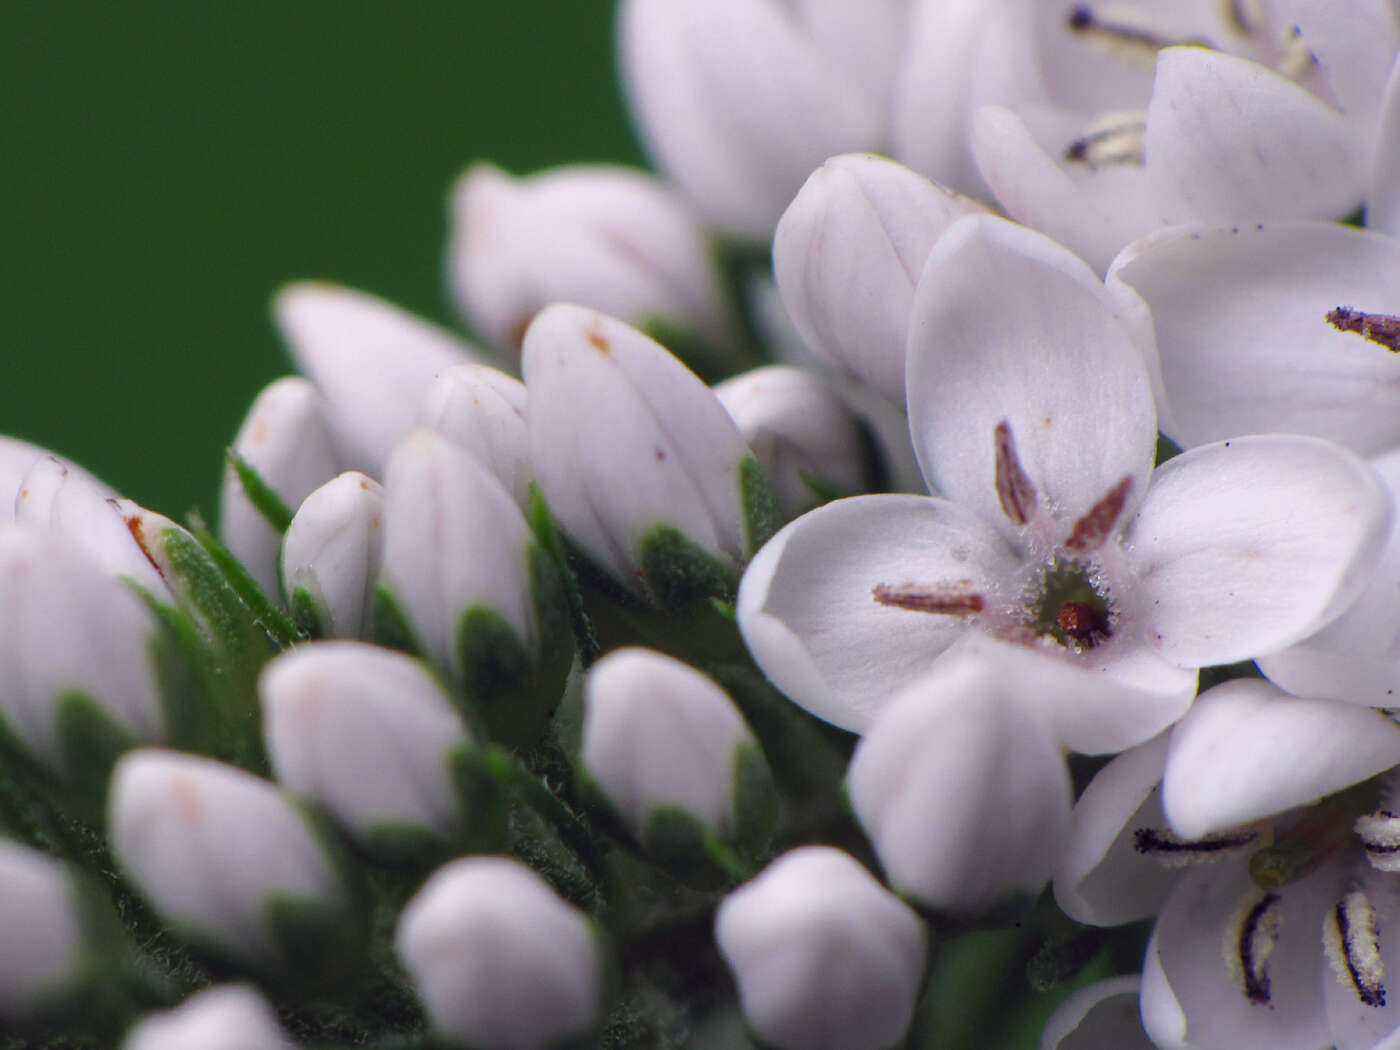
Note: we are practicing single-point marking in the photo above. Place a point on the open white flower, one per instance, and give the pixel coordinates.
(1110, 582)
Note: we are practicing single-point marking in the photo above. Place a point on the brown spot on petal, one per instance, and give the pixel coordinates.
(1093, 528)
(951, 599)
(1015, 489)
(1381, 329)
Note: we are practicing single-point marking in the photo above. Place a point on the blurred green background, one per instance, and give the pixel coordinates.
(164, 166)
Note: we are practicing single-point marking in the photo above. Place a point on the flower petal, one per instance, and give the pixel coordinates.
(1190, 934)
(1357, 656)
(1249, 545)
(1243, 337)
(1230, 140)
(808, 613)
(1103, 1014)
(1101, 878)
(1009, 326)
(1247, 750)
(1383, 202)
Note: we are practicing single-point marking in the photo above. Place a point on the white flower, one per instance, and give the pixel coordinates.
(609, 237)
(225, 1017)
(76, 650)
(1248, 335)
(1271, 925)
(366, 732)
(824, 956)
(1281, 129)
(658, 735)
(961, 788)
(1032, 413)
(847, 253)
(499, 960)
(626, 442)
(331, 556)
(43, 931)
(483, 410)
(738, 100)
(217, 852)
(286, 440)
(807, 440)
(371, 361)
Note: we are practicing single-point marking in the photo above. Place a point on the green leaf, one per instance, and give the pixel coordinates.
(762, 517)
(90, 741)
(260, 493)
(680, 573)
(281, 630)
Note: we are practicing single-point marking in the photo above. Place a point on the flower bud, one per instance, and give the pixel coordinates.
(225, 1017)
(286, 441)
(368, 734)
(807, 441)
(673, 757)
(498, 959)
(229, 862)
(824, 956)
(738, 100)
(609, 237)
(76, 661)
(638, 460)
(371, 361)
(43, 930)
(55, 498)
(847, 254)
(17, 458)
(465, 583)
(331, 557)
(483, 410)
(962, 790)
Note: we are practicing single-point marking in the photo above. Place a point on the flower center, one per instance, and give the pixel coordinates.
(1067, 603)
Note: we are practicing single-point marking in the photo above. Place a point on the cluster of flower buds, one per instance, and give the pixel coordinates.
(668, 671)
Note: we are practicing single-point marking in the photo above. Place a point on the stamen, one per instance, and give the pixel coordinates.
(1353, 948)
(1175, 852)
(1382, 329)
(1296, 60)
(1250, 937)
(1125, 33)
(1093, 528)
(1380, 836)
(1014, 487)
(1116, 137)
(952, 599)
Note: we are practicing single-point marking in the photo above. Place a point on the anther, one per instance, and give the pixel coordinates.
(1116, 137)
(1015, 489)
(1174, 852)
(1381, 329)
(951, 599)
(1380, 837)
(1353, 948)
(1094, 527)
(1250, 937)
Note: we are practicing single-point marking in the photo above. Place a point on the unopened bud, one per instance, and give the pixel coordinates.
(286, 442)
(483, 410)
(638, 459)
(331, 557)
(226, 1017)
(612, 238)
(43, 931)
(369, 734)
(824, 956)
(498, 959)
(673, 757)
(228, 861)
